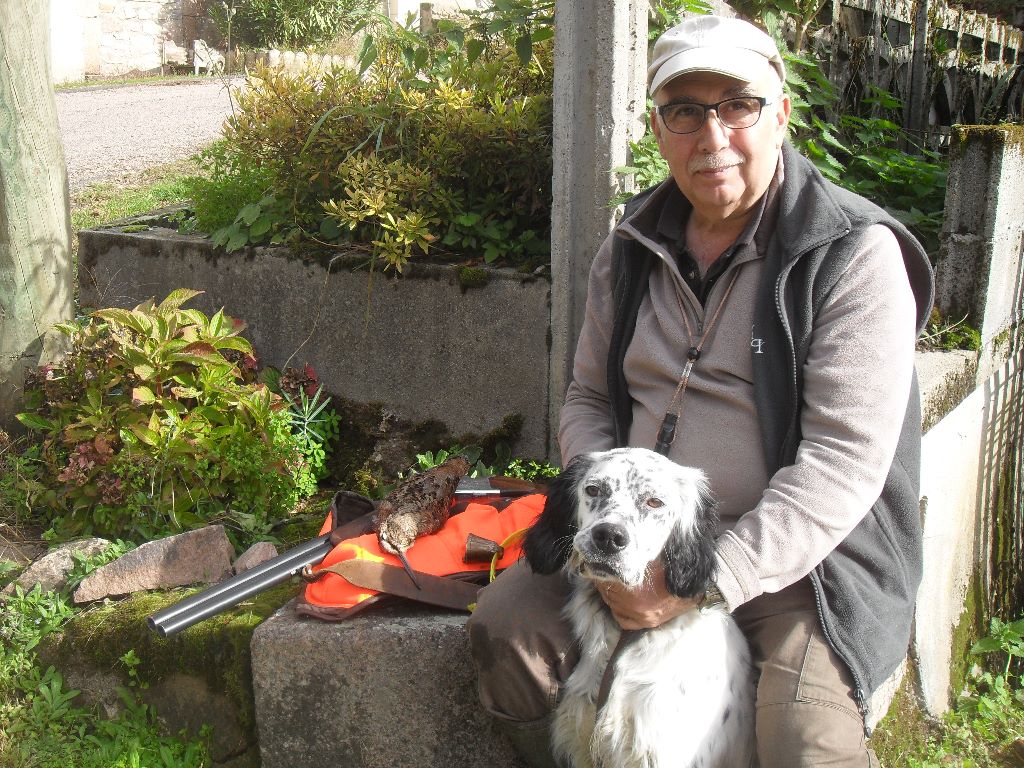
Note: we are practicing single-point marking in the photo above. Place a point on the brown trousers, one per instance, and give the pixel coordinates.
(806, 713)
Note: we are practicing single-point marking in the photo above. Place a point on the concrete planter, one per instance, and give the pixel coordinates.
(427, 345)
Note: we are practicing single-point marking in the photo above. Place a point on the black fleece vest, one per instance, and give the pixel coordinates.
(866, 588)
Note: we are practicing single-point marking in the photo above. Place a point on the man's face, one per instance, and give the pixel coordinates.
(723, 171)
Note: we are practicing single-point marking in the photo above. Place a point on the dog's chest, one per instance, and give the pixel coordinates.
(679, 695)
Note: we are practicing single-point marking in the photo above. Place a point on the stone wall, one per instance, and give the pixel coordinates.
(972, 501)
(108, 38)
(133, 32)
(427, 345)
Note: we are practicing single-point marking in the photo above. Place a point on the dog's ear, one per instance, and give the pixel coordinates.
(549, 540)
(689, 554)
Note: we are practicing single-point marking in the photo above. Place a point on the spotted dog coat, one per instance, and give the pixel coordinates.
(682, 695)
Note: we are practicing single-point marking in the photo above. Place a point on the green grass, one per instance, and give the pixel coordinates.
(156, 187)
(129, 80)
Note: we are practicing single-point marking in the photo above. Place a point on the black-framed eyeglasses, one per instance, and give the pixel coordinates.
(688, 116)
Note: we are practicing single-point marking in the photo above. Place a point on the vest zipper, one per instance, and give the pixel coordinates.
(858, 692)
(858, 687)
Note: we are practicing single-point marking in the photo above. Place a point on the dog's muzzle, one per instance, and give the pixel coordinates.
(609, 538)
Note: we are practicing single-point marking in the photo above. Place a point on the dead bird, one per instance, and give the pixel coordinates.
(418, 506)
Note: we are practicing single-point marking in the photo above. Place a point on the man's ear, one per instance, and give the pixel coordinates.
(782, 114)
(549, 541)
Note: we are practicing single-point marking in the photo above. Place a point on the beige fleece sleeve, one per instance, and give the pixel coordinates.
(857, 380)
(585, 424)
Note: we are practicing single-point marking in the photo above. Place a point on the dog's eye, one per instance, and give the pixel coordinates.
(592, 490)
(654, 502)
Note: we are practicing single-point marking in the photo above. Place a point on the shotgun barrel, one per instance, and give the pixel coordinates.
(232, 591)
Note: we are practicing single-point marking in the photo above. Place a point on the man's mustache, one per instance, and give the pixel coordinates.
(715, 162)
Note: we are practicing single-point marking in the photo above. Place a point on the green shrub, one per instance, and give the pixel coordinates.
(154, 424)
(289, 24)
(40, 724)
(430, 155)
(867, 153)
(226, 183)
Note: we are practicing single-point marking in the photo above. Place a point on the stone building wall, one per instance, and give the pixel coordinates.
(108, 38)
(133, 33)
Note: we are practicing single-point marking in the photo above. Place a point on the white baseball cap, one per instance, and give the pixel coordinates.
(730, 47)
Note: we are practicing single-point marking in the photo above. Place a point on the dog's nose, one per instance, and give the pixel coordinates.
(610, 538)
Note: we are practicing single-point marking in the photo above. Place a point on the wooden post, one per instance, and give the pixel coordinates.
(35, 224)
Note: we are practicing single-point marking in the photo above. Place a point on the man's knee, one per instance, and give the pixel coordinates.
(522, 648)
(804, 734)
(806, 712)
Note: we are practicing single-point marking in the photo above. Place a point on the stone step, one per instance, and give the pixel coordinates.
(392, 686)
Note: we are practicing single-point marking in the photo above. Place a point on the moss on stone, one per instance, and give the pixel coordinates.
(473, 277)
(430, 434)
(971, 625)
(954, 389)
(905, 727)
(508, 434)
(993, 135)
(1007, 519)
(215, 650)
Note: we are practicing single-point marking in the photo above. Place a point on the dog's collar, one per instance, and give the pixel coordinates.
(712, 599)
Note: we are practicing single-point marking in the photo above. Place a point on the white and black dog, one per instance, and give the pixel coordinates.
(681, 695)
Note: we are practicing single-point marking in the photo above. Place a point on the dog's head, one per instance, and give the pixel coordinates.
(609, 514)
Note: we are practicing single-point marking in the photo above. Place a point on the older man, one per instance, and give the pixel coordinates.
(749, 318)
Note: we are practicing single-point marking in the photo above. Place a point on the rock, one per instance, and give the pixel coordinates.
(186, 702)
(400, 689)
(16, 549)
(258, 553)
(196, 556)
(51, 570)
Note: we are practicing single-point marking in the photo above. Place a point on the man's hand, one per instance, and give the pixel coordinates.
(647, 606)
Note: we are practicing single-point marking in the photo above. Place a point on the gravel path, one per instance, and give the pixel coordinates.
(110, 134)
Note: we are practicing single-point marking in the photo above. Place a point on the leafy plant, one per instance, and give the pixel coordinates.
(20, 474)
(529, 469)
(8, 569)
(42, 726)
(315, 426)
(225, 184)
(941, 334)
(443, 149)
(664, 14)
(988, 721)
(29, 616)
(289, 24)
(83, 565)
(503, 463)
(153, 424)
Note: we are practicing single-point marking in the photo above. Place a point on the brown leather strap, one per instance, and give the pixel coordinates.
(626, 639)
(355, 527)
(433, 590)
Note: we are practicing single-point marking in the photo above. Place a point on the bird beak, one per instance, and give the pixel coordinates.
(408, 568)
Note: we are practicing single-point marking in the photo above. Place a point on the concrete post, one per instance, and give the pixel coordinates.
(919, 98)
(980, 268)
(599, 101)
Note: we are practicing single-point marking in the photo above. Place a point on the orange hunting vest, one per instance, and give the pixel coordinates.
(331, 596)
